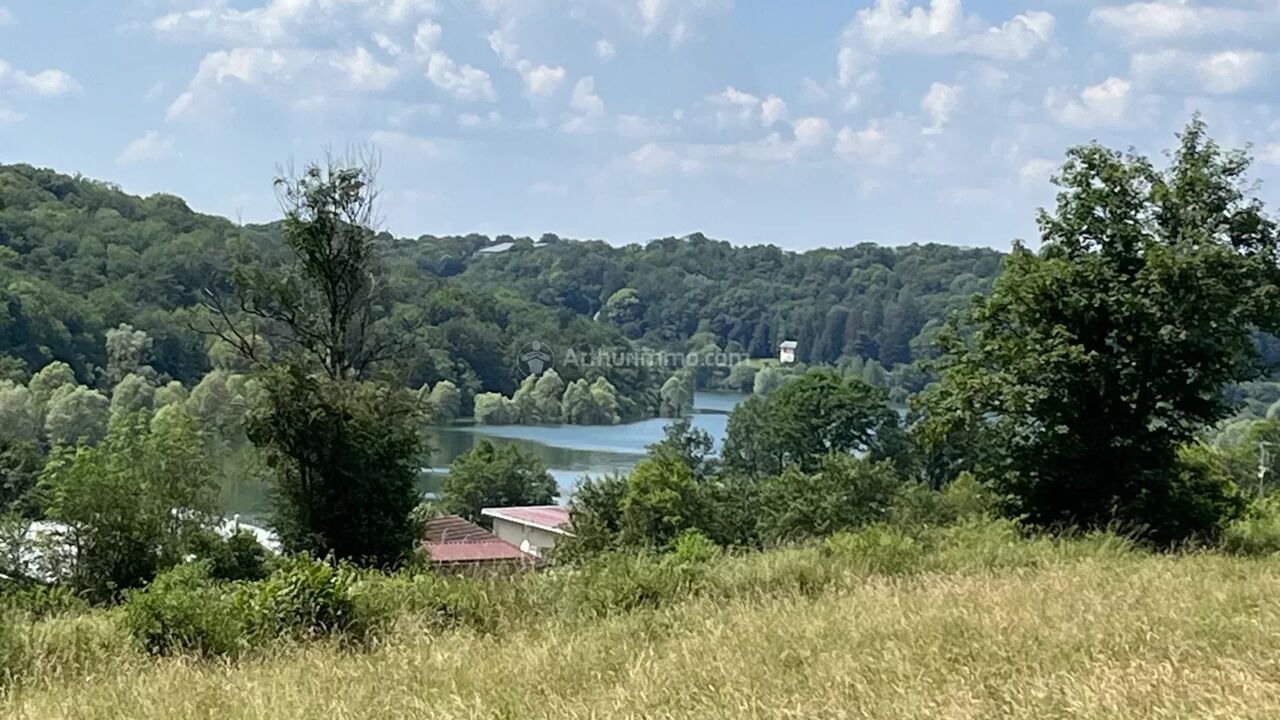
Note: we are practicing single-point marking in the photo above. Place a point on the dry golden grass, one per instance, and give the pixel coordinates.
(1134, 636)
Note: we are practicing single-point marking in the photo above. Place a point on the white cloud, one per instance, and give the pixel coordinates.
(46, 83)
(6, 17)
(772, 110)
(1036, 171)
(588, 106)
(148, 148)
(939, 103)
(869, 146)
(1220, 73)
(893, 26)
(473, 120)
(1270, 154)
(462, 81)
(1170, 20)
(653, 159)
(1101, 105)
(364, 72)
(425, 37)
(540, 80)
(388, 46)
(282, 23)
(605, 50)
(405, 144)
(674, 18)
(811, 131)
(735, 108)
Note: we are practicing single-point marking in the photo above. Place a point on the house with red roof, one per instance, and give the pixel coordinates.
(457, 544)
(534, 529)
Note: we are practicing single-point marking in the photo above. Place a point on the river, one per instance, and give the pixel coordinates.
(568, 451)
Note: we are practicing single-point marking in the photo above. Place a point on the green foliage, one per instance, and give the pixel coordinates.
(304, 599)
(346, 457)
(1257, 531)
(677, 395)
(692, 547)
(918, 505)
(1093, 362)
(135, 502)
(807, 419)
(77, 415)
(491, 475)
(663, 499)
(494, 409)
(184, 612)
(844, 493)
(444, 403)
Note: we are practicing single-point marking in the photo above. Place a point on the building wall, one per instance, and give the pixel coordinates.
(517, 534)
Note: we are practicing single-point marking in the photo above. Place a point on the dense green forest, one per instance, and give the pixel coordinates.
(79, 257)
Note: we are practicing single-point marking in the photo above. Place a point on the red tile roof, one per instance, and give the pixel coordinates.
(477, 551)
(452, 540)
(549, 517)
(451, 528)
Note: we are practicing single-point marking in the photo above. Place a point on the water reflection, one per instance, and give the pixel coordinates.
(568, 451)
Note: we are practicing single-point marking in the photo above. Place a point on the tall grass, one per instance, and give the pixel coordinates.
(973, 621)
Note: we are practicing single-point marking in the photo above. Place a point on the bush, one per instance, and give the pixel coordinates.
(918, 505)
(622, 582)
(37, 602)
(184, 611)
(1258, 532)
(692, 547)
(878, 549)
(304, 599)
(239, 557)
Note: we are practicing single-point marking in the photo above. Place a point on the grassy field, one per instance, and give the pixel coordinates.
(1054, 630)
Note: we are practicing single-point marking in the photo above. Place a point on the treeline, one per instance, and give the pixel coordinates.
(878, 303)
(79, 258)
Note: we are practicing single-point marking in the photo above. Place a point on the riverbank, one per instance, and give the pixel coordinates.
(980, 623)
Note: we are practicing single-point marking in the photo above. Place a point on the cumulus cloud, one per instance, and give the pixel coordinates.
(1102, 105)
(674, 18)
(1270, 154)
(464, 82)
(1036, 171)
(364, 72)
(405, 144)
(942, 27)
(605, 50)
(939, 103)
(538, 79)
(46, 83)
(811, 131)
(1174, 20)
(868, 146)
(587, 105)
(1219, 73)
(150, 147)
(284, 22)
(734, 108)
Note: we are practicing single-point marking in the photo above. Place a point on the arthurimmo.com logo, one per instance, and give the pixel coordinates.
(534, 358)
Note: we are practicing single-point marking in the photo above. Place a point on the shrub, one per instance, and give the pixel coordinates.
(620, 582)
(1258, 532)
(304, 599)
(37, 602)
(693, 547)
(239, 557)
(878, 549)
(184, 611)
(918, 505)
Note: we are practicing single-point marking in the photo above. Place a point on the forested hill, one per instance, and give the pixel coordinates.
(79, 257)
(877, 302)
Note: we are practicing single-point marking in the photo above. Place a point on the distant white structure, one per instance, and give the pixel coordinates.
(534, 529)
(787, 352)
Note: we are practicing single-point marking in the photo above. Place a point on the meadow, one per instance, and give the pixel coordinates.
(974, 621)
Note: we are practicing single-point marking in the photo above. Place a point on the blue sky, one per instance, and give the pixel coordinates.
(796, 123)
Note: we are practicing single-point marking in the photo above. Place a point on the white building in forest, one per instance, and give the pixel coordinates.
(787, 352)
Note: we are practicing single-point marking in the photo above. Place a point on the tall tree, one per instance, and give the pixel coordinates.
(1094, 361)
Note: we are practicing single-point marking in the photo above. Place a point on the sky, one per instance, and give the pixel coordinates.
(804, 123)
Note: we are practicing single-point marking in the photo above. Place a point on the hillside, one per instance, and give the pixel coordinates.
(989, 627)
(78, 257)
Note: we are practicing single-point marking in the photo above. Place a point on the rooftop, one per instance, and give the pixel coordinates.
(452, 540)
(554, 518)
